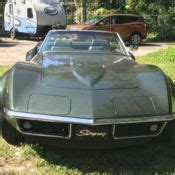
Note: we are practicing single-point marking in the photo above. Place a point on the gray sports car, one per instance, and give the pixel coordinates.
(83, 89)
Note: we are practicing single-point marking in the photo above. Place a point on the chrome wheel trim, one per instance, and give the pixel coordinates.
(12, 33)
(135, 39)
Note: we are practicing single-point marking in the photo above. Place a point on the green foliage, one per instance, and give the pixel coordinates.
(165, 59)
(4, 69)
(99, 12)
(156, 9)
(77, 16)
(159, 15)
(6, 150)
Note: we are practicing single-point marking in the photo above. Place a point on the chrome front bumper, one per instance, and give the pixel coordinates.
(73, 120)
(13, 116)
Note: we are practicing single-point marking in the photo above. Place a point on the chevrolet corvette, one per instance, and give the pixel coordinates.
(84, 89)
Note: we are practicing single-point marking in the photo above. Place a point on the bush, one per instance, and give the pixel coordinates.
(93, 13)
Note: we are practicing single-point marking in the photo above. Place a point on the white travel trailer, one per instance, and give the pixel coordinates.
(33, 17)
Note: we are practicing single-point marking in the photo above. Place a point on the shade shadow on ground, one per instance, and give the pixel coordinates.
(144, 159)
(8, 44)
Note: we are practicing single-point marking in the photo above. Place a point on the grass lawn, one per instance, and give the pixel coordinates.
(165, 59)
(150, 158)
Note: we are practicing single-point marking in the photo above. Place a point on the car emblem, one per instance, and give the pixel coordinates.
(83, 133)
(88, 72)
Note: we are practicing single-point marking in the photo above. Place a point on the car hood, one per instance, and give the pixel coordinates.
(88, 71)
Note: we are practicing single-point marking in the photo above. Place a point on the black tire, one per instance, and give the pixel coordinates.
(135, 39)
(10, 134)
(167, 133)
(3, 29)
(13, 33)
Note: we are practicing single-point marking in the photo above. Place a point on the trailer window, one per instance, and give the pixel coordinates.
(10, 9)
(29, 13)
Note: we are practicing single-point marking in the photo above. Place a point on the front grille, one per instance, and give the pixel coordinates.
(102, 132)
(44, 128)
(137, 129)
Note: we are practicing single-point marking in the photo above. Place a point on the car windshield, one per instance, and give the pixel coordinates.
(83, 41)
(93, 20)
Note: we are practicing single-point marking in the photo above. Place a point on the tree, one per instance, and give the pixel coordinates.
(83, 11)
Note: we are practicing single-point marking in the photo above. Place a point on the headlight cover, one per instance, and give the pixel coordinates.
(52, 11)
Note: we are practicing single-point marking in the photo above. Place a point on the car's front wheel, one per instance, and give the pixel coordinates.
(10, 134)
(135, 39)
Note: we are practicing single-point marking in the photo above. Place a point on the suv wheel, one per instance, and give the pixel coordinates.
(135, 39)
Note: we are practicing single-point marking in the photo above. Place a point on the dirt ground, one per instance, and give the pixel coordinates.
(12, 51)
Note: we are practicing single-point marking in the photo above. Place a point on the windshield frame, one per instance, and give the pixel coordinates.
(93, 20)
(124, 50)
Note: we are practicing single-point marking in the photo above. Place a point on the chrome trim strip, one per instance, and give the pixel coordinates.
(44, 135)
(134, 137)
(73, 120)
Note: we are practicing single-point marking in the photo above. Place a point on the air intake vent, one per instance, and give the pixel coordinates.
(44, 128)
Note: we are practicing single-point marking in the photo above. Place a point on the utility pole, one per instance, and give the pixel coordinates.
(83, 11)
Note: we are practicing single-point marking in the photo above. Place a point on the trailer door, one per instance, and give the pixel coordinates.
(8, 17)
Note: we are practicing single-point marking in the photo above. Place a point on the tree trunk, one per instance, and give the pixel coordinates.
(76, 4)
(83, 11)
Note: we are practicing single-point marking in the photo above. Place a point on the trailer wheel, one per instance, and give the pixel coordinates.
(10, 134)
(13, 33)
(3, 29)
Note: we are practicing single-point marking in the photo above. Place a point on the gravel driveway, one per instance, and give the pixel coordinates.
(12, 51)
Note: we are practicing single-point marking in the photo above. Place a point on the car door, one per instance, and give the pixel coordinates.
(8, 17)
(124, 25)
(104, 24)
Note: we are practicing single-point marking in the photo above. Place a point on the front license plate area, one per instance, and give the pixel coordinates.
(82, 132)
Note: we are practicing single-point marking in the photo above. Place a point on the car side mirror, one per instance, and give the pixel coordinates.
(31, 53)
(38, 46)
(132, 56)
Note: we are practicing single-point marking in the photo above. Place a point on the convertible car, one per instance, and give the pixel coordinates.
(84, 89)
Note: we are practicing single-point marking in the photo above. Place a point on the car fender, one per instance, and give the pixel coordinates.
(155, 84)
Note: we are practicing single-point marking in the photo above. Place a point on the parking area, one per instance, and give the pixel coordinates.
(12, 51)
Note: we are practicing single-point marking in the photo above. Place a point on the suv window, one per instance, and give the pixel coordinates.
(109, 20)
(106, 21)
(124, 19)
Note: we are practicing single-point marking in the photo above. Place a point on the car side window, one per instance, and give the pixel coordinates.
(111, 20)
(114, 20)
(125, 19)
(105, 21)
